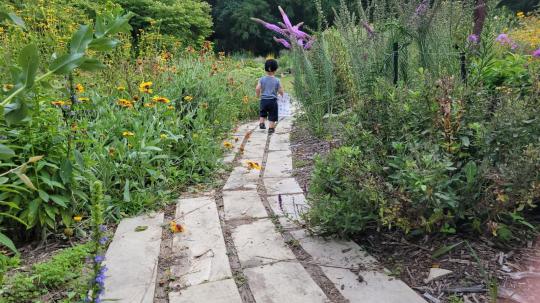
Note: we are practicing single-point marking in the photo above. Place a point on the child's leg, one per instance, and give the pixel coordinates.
(273, 114)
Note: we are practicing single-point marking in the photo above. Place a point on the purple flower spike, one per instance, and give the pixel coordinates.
(473, 38)
(422, 8)
(103, 240)
(309, 44)
(99, 259)
(269, 26)
(102, 228)
(536, 53)
(283, 41)
(285, 19)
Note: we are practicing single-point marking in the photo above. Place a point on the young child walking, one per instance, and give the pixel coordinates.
(268, 89)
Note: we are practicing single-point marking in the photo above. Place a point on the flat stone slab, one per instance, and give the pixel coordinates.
(224, 291)
(275, 186)
(284, 282)
(376, 287)
(201, 247)
(279, 142)
(259, 243)
(364, 281)
(279, 164)
(290, 209)
(243, 205)
(242, 178)
(132, 260)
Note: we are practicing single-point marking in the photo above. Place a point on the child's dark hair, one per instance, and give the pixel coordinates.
(271, 65)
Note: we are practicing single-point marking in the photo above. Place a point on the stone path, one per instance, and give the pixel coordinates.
(245, 243)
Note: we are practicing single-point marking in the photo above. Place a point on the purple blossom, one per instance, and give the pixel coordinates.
(369, 29)
(422, 8)
(99, 259)
(291, 34)
(100, 280)
(473, 38)
(103, 240)
(503, 39)
(102, 228)
(536, 53)
(283, 41)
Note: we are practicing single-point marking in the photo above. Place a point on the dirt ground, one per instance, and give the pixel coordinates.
(481, 270)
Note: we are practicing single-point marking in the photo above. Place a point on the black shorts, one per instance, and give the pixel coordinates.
(269, 108)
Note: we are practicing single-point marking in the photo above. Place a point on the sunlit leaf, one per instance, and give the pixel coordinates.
(29, 62)
(66, 63)
(4, 240)
(80, 39)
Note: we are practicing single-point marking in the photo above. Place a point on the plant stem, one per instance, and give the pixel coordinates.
(21, 89)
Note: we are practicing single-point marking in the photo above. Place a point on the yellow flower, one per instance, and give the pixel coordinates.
(188, 98)
(7, 87)
(124, 103)
(245, 100)
(204, 105)
(163, 136)
(520, 14)
(84, 99)
(170, 107)
(253, 165)
(228, 145)
(112, 151)
(130, 145)
(149, 104)
(145, 87)
(74, 127)
(159, 99)
(79, 88)
(128, 134)
(58, 103)
(77, 218)
(121, 88)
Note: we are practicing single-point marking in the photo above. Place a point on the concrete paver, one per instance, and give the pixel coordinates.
(201, 247)
(243, 205)
(132, 260)
(224, 291)
(275, 186)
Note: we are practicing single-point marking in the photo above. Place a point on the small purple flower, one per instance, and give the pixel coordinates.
(99, 259)
(102, 228)
(473, 38)
(422, 8)
(536, 53)
(369, 29)
(503, 39)
(103, 240)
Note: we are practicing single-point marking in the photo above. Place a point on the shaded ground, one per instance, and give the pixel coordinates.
(480, 268)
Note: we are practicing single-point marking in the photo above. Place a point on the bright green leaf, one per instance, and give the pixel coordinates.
(6, 152)
(66, 63)
(4, 240)
(29, 62)
(80, 39)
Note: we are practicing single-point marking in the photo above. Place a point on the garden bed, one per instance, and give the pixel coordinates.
(482, 262)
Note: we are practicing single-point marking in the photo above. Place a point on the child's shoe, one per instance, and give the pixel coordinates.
(271, 130)
(262, 126)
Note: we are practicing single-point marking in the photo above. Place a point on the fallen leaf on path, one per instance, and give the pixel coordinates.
(176, 228)
(141, 228)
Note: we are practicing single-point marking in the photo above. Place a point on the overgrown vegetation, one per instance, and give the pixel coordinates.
(144, 123)
(437, 152)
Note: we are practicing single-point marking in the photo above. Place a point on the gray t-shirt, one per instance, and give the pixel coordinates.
(269, 87)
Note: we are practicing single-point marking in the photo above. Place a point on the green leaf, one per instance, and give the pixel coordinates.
(29, 62)
(14, 218)
(127, 197)
(471, 171)
(66, 63)
(91, 64)
(141, 228)
(66, 171)
(103, 44)
(445, 249)
(119, 24)
(15, 112)
(81, 39)
(33, 208)
(14, 18)
(6, 152)
(4, 240)
(43, 195)
(79, 158)
(60, 200)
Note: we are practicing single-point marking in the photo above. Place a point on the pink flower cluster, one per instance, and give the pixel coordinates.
(503, 39)
(290, 34)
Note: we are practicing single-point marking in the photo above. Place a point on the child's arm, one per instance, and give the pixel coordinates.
(281, 91)
(258, 89)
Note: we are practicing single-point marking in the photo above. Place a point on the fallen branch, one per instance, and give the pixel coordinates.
(471, 289)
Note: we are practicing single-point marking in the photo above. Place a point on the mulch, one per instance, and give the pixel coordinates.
(480, 266)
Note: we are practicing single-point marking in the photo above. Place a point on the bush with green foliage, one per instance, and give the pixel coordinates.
(434, 153)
